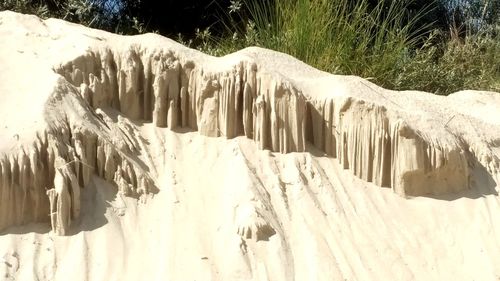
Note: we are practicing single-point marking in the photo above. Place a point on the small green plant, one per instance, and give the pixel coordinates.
(335, 36)
(455, 64)
(102, 14)
(386, 43)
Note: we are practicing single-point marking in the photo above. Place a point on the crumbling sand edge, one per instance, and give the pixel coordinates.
(392, 139)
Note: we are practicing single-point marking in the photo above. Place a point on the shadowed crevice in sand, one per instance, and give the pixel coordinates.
(95, 202)
(483, 185)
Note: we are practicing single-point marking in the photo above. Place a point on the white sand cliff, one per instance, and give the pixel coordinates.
(136, 158)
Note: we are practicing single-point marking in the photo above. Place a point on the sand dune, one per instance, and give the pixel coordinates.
(136, 158)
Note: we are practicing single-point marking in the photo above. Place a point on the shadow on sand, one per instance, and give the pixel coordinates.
(96, 199)
(482, 183)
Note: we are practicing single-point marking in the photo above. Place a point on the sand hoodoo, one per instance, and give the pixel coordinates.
(83, 107)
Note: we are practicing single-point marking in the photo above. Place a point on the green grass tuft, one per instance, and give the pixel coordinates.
(384, 43)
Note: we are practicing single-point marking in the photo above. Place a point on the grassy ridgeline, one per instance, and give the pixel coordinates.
(385, 43)
(388, 42)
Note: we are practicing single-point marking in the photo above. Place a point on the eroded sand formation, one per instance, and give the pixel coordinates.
(44, 178)
(98, 89)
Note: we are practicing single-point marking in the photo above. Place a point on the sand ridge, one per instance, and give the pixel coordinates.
(113, 143)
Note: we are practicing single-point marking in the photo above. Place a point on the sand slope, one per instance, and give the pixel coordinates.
(136, 158)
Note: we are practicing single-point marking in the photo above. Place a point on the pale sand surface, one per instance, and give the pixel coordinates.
(199, 200)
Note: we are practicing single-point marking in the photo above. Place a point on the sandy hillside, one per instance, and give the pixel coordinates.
(136, 158)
